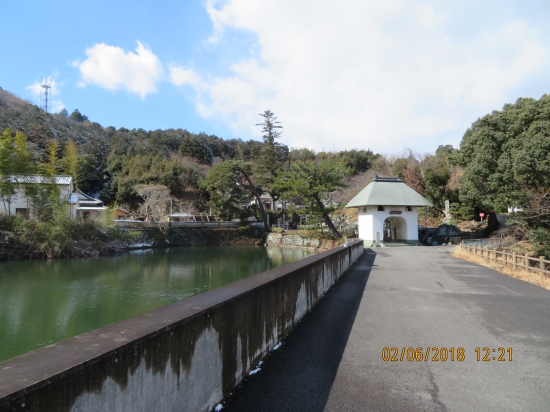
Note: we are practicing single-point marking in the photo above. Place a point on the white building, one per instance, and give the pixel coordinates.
(268, 202)
(19, 203)
(388, 212)
(80, 204)
(86, 207)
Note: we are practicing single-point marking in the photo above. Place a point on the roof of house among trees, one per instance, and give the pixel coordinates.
(39, 179)
(390, 191)
(85, 202)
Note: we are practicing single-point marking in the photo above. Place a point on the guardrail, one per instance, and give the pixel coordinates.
(539, 265)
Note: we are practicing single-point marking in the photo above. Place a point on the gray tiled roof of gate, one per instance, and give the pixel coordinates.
(28, 179)
(388, 193)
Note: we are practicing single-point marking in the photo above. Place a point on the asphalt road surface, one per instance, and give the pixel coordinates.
(412, 297)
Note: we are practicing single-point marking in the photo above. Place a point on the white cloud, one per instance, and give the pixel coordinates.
(111, 68)
(365, 74)
(55, 105)
(181, 76)
(36, 87)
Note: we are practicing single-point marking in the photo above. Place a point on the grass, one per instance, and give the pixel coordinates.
(518, 273)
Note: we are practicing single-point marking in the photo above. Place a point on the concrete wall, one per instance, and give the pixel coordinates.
(184, 357)
(371, 220)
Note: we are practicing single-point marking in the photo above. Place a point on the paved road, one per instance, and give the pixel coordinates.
(414, 297)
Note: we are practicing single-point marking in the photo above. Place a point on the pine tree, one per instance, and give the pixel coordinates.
(273, 155)
(313, 182)
(230, 185)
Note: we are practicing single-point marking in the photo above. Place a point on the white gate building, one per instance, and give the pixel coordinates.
(388, 212)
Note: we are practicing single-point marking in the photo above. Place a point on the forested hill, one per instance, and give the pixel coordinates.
(113, 160)
(503, 160)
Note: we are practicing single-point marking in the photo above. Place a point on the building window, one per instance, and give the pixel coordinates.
(380, 208)
(408, 209)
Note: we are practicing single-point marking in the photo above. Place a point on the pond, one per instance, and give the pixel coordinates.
(47, 301)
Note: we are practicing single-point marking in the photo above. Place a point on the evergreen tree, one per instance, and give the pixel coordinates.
(76, 116)
(505, 156)
(314, 182)
(197, 147)
(273, 156)
(230, 187)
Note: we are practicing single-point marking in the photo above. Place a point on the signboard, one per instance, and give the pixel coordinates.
(481, 214)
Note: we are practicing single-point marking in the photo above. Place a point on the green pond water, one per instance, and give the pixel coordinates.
(47, 301)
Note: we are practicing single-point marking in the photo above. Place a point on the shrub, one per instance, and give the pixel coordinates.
(61, 237)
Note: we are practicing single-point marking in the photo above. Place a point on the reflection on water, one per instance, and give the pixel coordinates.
(46, 301)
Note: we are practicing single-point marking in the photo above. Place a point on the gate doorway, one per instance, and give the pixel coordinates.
(395, 229)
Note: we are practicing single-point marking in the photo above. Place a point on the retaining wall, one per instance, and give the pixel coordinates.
(183, 357)
(191, 225)
(291, 240)
(296, 240)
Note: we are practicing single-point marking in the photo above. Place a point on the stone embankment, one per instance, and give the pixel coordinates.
(98, 241)
(195, 237)
(284, 239)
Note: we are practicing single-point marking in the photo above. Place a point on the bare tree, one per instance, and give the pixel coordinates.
(156, 199)
(413, 178)
(189, 207)
(383, 165)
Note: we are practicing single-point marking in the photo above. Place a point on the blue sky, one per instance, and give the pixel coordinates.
(339, 75)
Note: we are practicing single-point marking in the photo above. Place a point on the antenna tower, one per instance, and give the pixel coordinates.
(45, 95)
